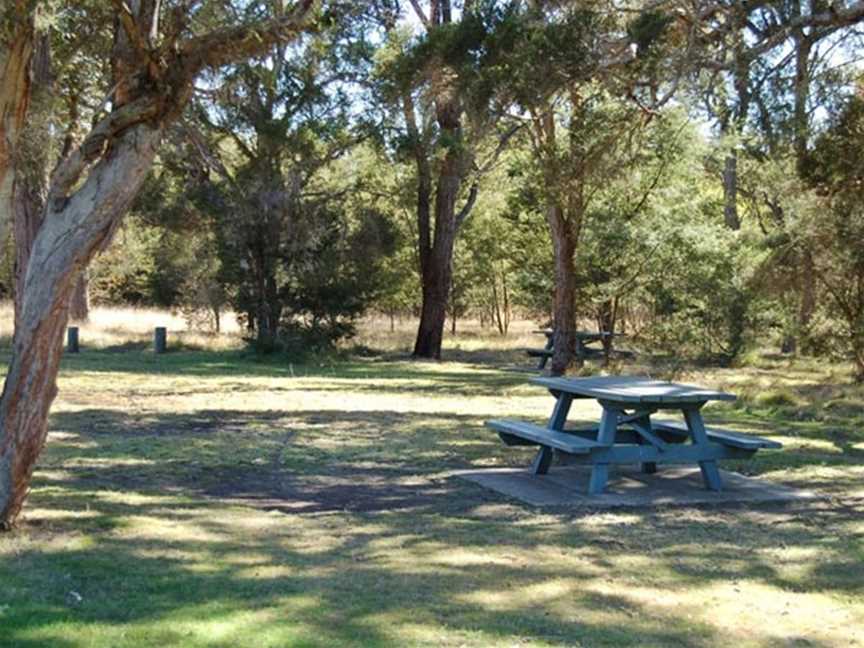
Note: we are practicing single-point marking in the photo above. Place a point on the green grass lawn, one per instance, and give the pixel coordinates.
(206, 499)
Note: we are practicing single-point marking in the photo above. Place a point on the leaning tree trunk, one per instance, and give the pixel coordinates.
(73, 230)
(90, 190)
(564, 303)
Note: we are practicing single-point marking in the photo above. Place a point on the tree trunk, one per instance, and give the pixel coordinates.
(507, 311)
(27, 205)
(496, 305)
(437, 260)
(67, 241)
(31, 165)
(730, 192)
(858, 355)
(806, 299)
(564, 305)
(15, 61)
(607, 315)
(436, 277)
(806, 271)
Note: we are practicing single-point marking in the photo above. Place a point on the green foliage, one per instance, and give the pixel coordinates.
(126, 272)
(648, 29)
(331, 283)
(834, 235)
(281, 210)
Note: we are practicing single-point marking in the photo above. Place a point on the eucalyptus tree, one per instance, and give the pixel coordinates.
(443, 84)
(67, 83)
(159, 49)
(583, 80)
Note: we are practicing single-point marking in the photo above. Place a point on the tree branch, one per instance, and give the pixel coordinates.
(420, 13)
(69, 170)
(468, 206)
(835, 18)
(130, 27)
(223, 46)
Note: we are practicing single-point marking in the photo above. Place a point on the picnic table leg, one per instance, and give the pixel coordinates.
(541, 364)
(543, 458)
(710, 472)
(562, 409)
(647, 467)
(542, 461)
(606, 436)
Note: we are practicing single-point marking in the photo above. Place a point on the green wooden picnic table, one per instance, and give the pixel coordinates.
(627, 433)
(583, 339)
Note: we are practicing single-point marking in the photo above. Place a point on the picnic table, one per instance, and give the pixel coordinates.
(626, 432)
(583, 339)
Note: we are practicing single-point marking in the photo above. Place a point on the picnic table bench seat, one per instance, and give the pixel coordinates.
(585, 352)
(724, 437)
(523, 433)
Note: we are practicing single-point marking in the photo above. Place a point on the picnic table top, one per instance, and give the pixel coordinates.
(632, 389)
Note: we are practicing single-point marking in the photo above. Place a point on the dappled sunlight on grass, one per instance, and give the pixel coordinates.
(205, 498)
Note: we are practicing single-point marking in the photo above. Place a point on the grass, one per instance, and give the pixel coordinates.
(203, 498)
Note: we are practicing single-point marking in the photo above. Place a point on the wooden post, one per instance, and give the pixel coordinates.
(160, 339)
(72, 339)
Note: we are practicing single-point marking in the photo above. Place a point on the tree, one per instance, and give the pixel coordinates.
(763, 69)
(834, 231)
(285, 118)
(448, 109)
(154, 64)
(582, 120)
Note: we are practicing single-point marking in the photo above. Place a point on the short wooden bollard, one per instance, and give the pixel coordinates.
(72, 339)
(160, 339)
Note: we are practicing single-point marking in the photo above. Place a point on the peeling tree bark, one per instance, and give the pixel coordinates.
(64, 245)
(31, 166)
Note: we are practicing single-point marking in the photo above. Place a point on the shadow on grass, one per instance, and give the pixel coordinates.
(318, 460)
(479, 578)
(306, 461)
(139, 524)
(274, 589)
